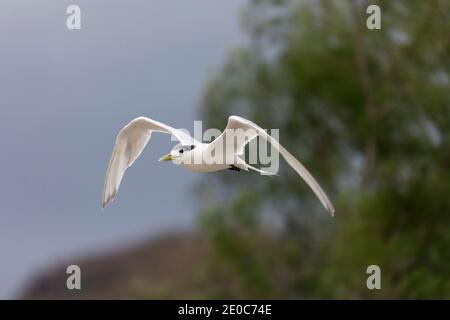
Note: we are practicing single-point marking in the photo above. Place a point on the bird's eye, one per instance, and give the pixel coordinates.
(181, 151)
(192, 146)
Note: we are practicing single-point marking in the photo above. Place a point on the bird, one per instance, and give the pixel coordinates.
(192, 154)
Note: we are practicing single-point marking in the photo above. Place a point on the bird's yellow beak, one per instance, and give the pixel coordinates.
(166, 157)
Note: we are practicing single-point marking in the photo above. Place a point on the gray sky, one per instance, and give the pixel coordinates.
(65, 94)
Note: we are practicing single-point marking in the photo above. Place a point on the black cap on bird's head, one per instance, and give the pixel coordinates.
(177, 153)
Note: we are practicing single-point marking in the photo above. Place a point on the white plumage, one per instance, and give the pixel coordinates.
(192, 154)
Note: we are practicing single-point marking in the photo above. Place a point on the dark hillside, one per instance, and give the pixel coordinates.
(166, 268)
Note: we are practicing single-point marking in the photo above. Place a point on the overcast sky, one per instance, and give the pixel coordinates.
(65, 94)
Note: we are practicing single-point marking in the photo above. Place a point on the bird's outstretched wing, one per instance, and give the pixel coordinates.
(130, 142)
(241, 125)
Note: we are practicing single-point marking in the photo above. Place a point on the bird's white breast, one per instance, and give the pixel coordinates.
(198, 161)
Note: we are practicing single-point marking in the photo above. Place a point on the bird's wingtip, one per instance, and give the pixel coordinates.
(331, 211)
(104, 203)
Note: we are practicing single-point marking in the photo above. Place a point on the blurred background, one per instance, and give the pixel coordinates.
(366, 111)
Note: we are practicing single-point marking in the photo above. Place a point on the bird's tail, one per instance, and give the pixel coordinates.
(245, 166)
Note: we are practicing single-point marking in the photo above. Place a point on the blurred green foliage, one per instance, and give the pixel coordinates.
(368, 113)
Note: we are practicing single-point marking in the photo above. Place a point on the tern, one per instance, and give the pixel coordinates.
(192, 154)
